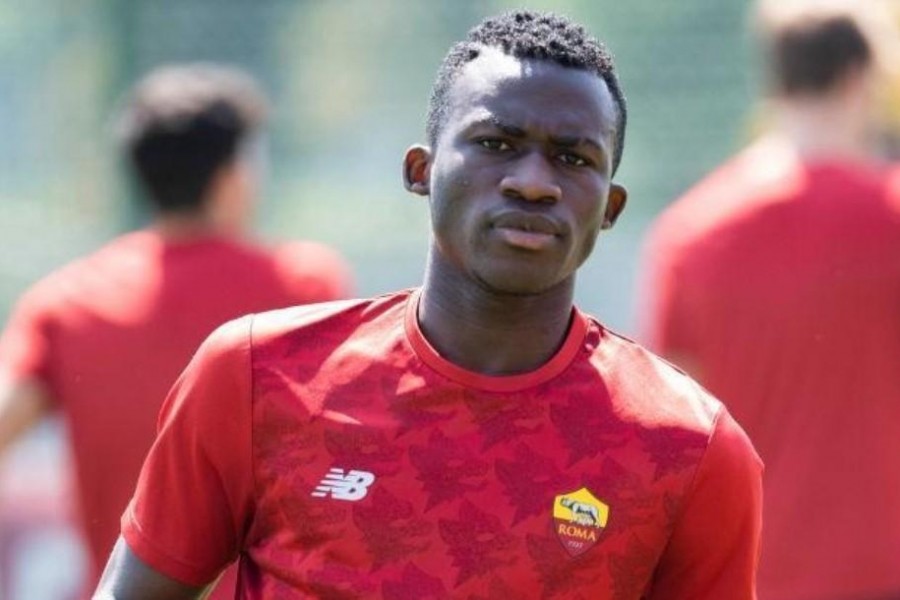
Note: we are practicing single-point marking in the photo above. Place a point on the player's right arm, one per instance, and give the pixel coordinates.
(194, 497)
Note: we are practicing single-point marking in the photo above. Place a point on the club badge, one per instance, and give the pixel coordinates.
(579, 518)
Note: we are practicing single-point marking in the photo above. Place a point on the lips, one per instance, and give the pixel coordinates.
(526, 231)
(527, 222)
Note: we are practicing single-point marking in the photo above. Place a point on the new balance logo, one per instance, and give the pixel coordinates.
(352, 485)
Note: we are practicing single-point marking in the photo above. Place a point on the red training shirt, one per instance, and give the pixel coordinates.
(340, 456)
(781, 280)
(109, 333)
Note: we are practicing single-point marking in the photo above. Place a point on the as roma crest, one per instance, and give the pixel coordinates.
(579, 518)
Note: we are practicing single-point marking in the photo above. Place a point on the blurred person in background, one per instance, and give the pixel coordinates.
(478, 437)
(888, 122)
(776, 282)
(103, 338)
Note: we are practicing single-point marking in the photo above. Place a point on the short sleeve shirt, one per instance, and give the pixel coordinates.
(338, 455)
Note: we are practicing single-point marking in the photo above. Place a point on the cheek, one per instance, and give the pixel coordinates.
(585, 244)
(451, 191)
(449, 176)
(589, 215)
(590, 207)
(452, 218)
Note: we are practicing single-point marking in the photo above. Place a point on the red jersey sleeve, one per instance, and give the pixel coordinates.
(714, 548)
(25, 345)
(194, 495)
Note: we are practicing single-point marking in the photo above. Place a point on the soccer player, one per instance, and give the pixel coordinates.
(104, 338)
(478, 437)
(776, 281)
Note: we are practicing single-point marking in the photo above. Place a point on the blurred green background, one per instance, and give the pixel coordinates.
(349, 80)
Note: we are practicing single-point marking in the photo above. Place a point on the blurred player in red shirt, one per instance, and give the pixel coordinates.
(776, 282)
(103, 338)
(479, 437)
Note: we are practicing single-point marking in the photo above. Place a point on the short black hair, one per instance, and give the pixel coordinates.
(525, 34)
(182, 123)
(812, 50)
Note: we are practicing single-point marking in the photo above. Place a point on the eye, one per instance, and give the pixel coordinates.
(573, 160)
(495, 144)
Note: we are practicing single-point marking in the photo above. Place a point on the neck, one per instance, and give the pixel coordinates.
(824, 128)
(182, 227)
(488, 331)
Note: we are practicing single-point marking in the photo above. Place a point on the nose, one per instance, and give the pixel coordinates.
(532, 179)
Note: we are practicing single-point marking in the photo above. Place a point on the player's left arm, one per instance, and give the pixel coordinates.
(713, 552)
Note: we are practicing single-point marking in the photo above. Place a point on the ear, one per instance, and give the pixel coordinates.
(417, 170)
(615, 204)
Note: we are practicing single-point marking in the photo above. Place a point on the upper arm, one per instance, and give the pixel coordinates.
(127, 577)
(714, 548)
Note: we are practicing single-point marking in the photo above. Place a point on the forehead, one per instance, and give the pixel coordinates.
(529, 92)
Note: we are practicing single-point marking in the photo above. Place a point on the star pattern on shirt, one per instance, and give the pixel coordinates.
(672, 449)
(498, 590)
(477, 540)
(527, 479)
(413, 583)
(418, 411)
(558, 572)
(504, 419)
(339, 582)
(447, 470)
(631, 569)
(390, 528)
(587, 433)
(617, 486)
(353, 445)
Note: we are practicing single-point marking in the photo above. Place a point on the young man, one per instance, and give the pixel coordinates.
(105, 337)
(777, 282)
(478, 437)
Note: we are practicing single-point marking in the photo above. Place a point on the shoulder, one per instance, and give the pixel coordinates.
(651, 391)
(754, 177)
(311, 271)
(299, 335)
(77, 281)
(298, 272)
(307, 256)
(335, 320)
(671, 407)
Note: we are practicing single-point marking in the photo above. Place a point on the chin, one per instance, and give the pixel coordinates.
(509, 283)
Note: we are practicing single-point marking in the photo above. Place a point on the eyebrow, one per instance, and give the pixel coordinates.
(567, 141)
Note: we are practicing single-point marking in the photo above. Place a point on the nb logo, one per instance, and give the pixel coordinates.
(352, 485)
